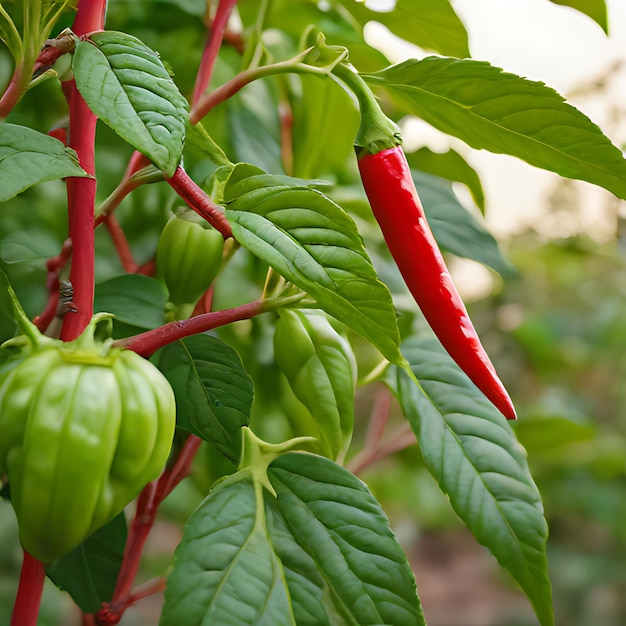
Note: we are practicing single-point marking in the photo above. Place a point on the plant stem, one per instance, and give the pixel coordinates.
(82, 191)
(237, 83)
(81, 201)
(149, 342)
(13, 92)
(90, 16)
(199, 201)
(147, 505)
(26, 607)
(214, 43)
(399, 440)
(121, 244)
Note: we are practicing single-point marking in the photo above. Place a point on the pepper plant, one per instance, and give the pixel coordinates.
(223, 227)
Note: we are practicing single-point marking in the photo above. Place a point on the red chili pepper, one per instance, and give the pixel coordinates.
(391, 191)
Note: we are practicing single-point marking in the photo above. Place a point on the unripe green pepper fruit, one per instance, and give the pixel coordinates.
(84, 427)
(320, 366)
(189, 256)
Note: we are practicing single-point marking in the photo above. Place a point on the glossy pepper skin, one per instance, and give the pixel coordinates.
(389, 186)
(84, 427)
(189, 256)
(320, 366)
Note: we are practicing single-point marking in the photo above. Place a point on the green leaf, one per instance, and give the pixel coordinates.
(325, 123)
(10, 36)
(335, 519)
(472, 452)
(451, 166)
(133, 299)
(126, 85)
(254, 127)
(213, 392)
(225, 569)
(493, 110)
(595, 9)
(430, 24)
(313, 243)
(457, 230)
(90, 571)
(28, 157)
(312, 599)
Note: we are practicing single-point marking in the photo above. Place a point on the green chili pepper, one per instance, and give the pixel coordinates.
(320, 367)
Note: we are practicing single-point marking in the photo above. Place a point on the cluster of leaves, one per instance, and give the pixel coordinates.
(289, 537)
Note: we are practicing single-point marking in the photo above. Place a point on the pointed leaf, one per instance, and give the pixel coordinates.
(455, 229)
(126, 85)
(134, 299)
(213, 392)
(472, 452)
(497, 111)
(225, 569)
(595, 9)
(28, 157)
(89, 572)
(312, 599)
(430, 24)
(451, 166)
(313, 243)
(336, 520)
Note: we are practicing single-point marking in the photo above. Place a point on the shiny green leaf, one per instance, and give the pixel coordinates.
(28, 157)
(314, 244)
(451, 166)
(497, 111)
(430, 24)
(455, 228)
(126, 85)
(225, 569)
(472, 452)
(325, 123)
(133, 299)
(213, 392)
(89, 572)
(335, 519)
(595, 9)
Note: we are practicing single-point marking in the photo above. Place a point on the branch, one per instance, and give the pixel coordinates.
(149, 342)
(214, 43)
(199, 201)
(26, 607)
(147, 505)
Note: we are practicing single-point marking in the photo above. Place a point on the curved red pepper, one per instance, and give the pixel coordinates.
(391, 191)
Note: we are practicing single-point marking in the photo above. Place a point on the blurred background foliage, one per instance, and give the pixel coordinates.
(555, 328)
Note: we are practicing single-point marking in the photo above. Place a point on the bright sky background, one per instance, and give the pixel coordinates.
(566, 50)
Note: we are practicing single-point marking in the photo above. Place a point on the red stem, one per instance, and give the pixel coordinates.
(26, 607)
(147, 505)
(401, 439)
(81, 202)
(82, 191)
(121, 244)
(149, 342)
(199, 201)
(208, 101)
(212, 48)
(90, 16)
(13, 93)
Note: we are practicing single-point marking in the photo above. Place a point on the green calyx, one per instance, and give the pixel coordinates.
(377, 132)
(257, 455)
